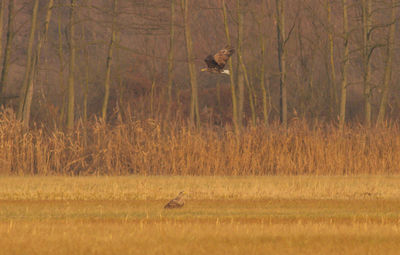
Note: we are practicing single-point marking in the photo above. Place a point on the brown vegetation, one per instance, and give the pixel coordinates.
(155, 148)
(223, 215)
(325, 60)
(106, 94)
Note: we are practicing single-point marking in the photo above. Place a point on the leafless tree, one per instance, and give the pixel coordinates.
(343, 93)
(280, 27)
(7, 53)
(71, 85)
(194, 105)
(109, 61)
(388, 63)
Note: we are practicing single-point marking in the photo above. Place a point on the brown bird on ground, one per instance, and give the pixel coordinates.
(216, 63)
(177, 202)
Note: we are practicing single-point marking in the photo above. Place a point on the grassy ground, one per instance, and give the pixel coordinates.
(235, 215)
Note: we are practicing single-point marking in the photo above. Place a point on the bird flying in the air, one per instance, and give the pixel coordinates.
(216, 63)
(177, 202)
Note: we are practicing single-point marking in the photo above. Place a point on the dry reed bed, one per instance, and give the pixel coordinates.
(151, 148)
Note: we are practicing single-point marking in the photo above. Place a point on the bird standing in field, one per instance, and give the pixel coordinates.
(216, 63)
(177, 202)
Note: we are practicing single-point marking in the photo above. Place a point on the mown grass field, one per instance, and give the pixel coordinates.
(222, 215)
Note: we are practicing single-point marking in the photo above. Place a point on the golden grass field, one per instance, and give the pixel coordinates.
(222, 215)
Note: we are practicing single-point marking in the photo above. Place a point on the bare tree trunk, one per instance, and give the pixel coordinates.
(2, 7)
(60, 52)
(121, 112)
(262, 41)
(262, 80)
(71, 92)
(108, 63)
(86, 77)
(249, 88)
(43, 37)
(334, 97)
(28, 69)
(280, 11)
(343, 96)
(232, 80)
(28, 97)
(388, 65)
(86, 85)
(120, 79)
(194, 109)
(35, 65)
(171, 57)
(366, 15)
(154, 79)
(239, 71)
(7, 52)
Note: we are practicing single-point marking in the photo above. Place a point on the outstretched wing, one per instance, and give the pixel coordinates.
(211, 62)
(221, 58)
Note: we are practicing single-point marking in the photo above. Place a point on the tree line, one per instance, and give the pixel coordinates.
(334, 61)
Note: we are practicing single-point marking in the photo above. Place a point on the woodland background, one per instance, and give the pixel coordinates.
(85, 59)
(114, 87)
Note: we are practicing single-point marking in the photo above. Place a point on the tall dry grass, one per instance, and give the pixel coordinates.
(156, 148)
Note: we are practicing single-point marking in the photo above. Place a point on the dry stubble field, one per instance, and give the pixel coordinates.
(223, 215)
